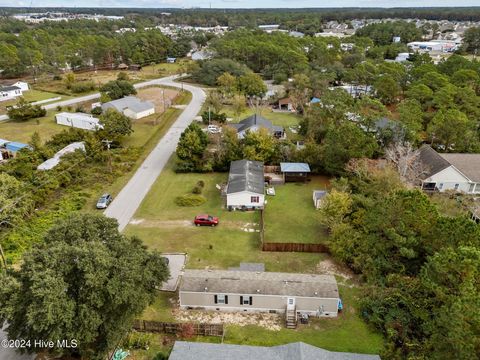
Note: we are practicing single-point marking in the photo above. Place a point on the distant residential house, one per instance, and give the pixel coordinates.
(135, 67)
(256, 122)
(10, 92)
(293, 172)
(122, 66)
(451, 171)
(285, 104)
(171, 60)
(22, 85)
(318, 197)
(131, 106)
(246, 185)
(202, 55)
(183, 350)
(296, 34)
(78, 120)
(55, 160)
(255, 291)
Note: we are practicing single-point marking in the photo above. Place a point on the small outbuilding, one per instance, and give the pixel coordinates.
(55, 160)
(318, 197)
(285, 104)
(294, 172)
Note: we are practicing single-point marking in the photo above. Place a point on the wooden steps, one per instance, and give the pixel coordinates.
(291, 319)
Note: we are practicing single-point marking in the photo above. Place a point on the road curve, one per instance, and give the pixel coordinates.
(130, 197)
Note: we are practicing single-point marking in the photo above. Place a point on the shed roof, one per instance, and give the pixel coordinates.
(289, 167)
(246, 175)
(129, 102)
(183, 350)
(15, 146)
(265, 283)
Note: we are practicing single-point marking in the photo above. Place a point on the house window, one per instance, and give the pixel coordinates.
(255, 199)
(246, 300)
(456, 186)
(470, 189)
(221, 299)
(440, 186)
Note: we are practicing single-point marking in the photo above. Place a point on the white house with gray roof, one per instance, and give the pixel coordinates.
(450, 171)
(257, 291)
(183, 350)
(131, 106)
(255, 123)
(10, 92)
(246, 185)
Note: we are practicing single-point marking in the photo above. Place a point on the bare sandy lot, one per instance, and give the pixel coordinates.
(155, 95)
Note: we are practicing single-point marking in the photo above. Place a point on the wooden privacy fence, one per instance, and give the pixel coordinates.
(178, 328)
(294, 247)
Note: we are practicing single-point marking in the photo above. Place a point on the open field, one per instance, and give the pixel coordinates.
(290, 215)
(22, 131)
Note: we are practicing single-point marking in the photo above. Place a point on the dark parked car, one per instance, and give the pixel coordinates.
(104, 201)
(206, 220)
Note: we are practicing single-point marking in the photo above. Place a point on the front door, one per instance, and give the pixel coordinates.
(290, 303)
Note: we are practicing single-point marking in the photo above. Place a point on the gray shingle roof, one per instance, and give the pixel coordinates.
(265, 283)
(467, 164)
(246, 175)
(129, 102)
(249, 267)
(9, 88)
(432, 160)
(183, 350)
(256, 120)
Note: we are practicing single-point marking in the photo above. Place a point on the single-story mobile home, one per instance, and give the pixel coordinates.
(256, 291)
(131, 106)
(246, 185)
(78, 120)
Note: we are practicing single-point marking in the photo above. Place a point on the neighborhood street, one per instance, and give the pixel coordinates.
(77, 100)
(130, 197)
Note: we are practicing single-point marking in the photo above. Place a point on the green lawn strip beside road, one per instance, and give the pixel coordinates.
(32, 95)
(22, 131)
(290, 215)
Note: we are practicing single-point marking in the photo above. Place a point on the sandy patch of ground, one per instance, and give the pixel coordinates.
(268, 321)
(248, 227)
(329, 267)
(155, 95)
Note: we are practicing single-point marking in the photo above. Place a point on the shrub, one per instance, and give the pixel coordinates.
(97, 110)
(24, 111)
(197, 190)
(57, 77)
(81, 87)
(201, 183)
(59, 108)
(190, 200)
(219, 117)
(137, 340)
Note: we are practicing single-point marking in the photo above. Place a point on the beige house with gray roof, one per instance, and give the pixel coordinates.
(257, 291)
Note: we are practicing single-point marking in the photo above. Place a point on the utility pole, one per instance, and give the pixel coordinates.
(164, 104)
(108, 143)
(209, 115)
(3, 258)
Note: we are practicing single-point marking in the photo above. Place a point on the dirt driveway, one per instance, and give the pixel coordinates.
(155, 95)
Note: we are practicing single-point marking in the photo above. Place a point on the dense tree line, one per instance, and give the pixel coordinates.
(422, 268)
(77, 45)
(252, 17)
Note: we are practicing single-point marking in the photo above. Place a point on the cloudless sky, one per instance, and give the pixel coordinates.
(239, 3)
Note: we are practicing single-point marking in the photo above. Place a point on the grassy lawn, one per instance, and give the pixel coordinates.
(290, 215)
(22, 131)
(345, 333)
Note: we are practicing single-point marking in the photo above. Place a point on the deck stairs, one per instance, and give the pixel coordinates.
(291, 318)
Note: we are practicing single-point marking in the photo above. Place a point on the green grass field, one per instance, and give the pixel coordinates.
(290, 215)
(22, 131)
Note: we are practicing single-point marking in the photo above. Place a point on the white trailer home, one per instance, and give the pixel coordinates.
(78, 120)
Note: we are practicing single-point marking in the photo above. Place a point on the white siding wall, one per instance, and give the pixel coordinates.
(133, 115)
(244, 199)
(327, 307)
(9, 95)
(79, 122)
(448, 178)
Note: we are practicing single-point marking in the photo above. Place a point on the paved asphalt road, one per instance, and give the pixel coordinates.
(128, 200)
(97, 95)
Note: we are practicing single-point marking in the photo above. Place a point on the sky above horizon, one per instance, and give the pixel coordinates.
(274, 4)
